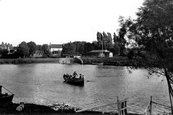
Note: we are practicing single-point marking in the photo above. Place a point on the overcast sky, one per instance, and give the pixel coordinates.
(61, 21)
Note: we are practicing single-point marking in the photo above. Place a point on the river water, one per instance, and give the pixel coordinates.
(43, 84)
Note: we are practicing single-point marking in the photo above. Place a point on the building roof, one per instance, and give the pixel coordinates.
(55, 45)
(99, 51)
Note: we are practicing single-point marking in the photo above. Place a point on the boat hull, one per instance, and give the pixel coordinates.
(73, 81)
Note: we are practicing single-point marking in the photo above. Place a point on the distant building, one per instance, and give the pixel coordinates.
(100, 53)
(55, 50)
(5, 46)
(38, 54)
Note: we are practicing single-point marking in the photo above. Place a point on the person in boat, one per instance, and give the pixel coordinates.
(80, 76)
(74, 74)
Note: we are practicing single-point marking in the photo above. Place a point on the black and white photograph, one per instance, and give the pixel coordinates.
(86, 57)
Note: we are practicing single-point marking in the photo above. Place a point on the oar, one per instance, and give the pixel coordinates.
(90, 81)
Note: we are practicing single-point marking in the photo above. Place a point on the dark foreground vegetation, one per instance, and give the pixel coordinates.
(33, 109)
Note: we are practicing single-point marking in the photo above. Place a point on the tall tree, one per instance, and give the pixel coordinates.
(100, 40)
(153, 32)
(23, 49)
(104, 40)
(119, 40)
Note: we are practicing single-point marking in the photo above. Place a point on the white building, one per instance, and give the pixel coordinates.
(55, 50)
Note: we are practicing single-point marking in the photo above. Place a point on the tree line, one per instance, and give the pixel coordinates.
(104, 41)
(25, 50)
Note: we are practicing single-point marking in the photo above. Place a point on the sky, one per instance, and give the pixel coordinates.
(61, 21)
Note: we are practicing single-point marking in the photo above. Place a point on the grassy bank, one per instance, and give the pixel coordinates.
(29, 60)
(115, 61)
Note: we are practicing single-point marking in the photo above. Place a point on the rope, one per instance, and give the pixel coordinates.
(161, 105)
(96, 107)
(7, 89)
(161, 109)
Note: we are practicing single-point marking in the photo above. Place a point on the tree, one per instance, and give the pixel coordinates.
(32, 48)
(3, 53)
(23, 49)
(39, 47)
(69, 49)
(46, 51)
(119, 40)
(88, 47)
(100, 40)
(79, 47)
(153, 32)
(104, 40)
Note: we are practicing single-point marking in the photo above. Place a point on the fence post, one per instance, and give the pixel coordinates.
(150, 105)
(122, 107)
(148, 110)
(118, 106)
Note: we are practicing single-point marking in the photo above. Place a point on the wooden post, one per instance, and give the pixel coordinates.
(169, 89)
(118, 106)
(150, 106)
(148, 110)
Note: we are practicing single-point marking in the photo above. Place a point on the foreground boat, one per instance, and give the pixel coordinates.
(5, 98)
(70, 79)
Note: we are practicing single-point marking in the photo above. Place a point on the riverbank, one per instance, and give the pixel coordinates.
(34, 109)
(115, 61)
(29, 60)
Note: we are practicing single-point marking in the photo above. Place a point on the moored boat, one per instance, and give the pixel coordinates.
(74, 80)
(5, 98)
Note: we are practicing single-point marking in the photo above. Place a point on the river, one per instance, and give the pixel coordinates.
(43, 84)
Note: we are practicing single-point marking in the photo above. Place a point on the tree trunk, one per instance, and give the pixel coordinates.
(169, 88)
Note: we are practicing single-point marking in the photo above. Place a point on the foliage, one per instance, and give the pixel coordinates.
(3, 52)
(32, 48)
(104, 40)
(119, 40)
(39, 47)
(69, 49)
(45, 49)
(153, 32)
(88, 47)
(79, 47)
(23, 49)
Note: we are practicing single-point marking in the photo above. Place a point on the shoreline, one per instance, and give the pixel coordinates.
(34, 109)
(116, 61)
